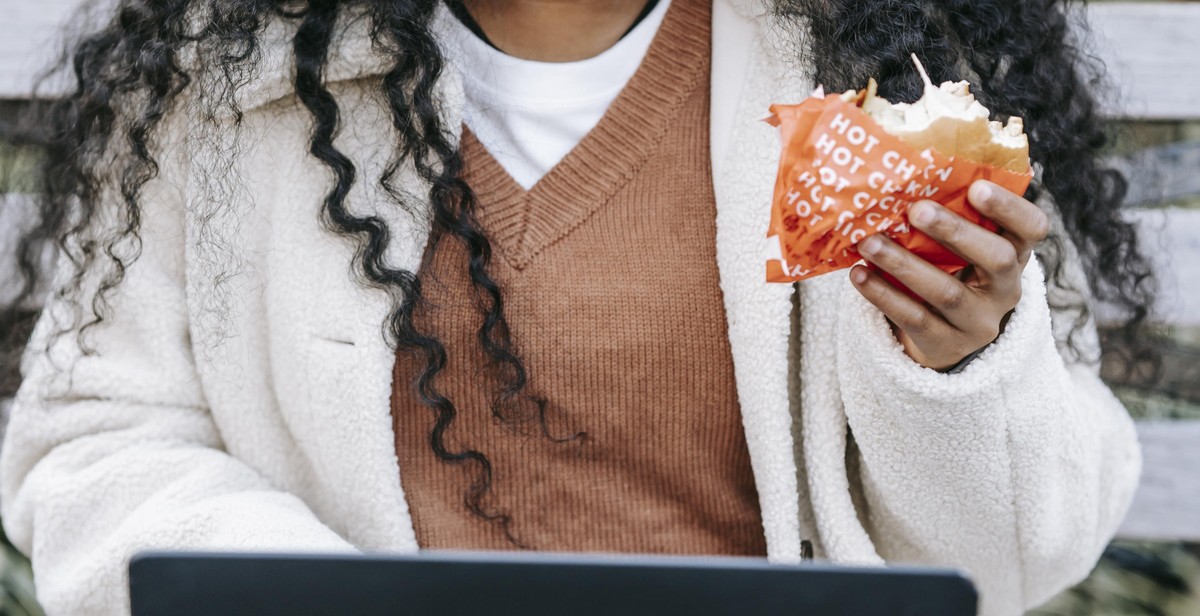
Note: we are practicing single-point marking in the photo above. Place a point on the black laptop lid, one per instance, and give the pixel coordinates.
(448, 583)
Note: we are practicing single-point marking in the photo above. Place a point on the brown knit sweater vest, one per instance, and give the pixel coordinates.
(608, 267)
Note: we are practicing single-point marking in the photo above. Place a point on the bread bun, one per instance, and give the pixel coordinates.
(949, 119)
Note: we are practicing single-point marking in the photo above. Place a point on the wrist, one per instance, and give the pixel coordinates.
(962, 364)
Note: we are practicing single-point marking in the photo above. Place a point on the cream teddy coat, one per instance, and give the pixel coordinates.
(250, 411)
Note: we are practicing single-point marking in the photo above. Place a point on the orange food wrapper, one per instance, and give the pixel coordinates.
(843, 178)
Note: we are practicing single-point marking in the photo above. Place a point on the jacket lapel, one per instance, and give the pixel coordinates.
(376, 469)
(745, 156)
(340, 346)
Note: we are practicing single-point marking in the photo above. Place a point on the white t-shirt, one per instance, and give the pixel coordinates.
(529, 114)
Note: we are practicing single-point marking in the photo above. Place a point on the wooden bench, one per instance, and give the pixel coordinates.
(1153, 52)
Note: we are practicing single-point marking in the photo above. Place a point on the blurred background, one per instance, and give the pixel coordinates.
(1152, 50)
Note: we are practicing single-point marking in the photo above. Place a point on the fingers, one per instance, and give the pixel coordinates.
(996, 256)
(959, 317)
(948, 295)
(1023, 222)
(917, 320)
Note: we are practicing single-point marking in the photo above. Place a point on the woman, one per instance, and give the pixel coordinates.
(401, 275)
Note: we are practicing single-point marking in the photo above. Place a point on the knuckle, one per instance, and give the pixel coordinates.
(1041, 226)
(1012, 296)
(956, 231)
(1004, 259)
(1006, 295)
(953, 295)
(918, 322)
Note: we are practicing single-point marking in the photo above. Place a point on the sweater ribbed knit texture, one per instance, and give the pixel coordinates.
(609, 271)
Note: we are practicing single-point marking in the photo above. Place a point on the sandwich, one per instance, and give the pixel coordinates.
(948, 119)
(851, 165)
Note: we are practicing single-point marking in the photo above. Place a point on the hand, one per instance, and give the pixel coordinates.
(963, 315)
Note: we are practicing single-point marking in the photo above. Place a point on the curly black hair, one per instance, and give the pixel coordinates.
(1022, 57)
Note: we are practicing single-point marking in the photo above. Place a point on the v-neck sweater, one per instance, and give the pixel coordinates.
(609, 272)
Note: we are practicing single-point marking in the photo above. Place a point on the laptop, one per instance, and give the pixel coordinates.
(530, 584)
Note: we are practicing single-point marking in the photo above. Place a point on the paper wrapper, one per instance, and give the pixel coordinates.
(843, 178)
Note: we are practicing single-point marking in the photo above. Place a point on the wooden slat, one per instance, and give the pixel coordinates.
(29, 41)
(1176, 380)
(1153, 53)
(1167, 503)
(1171, 236)
(1162, 174)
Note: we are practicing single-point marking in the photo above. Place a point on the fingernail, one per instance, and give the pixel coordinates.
(871, 245)
(983, 191)
(858, 275)
(922, 213)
